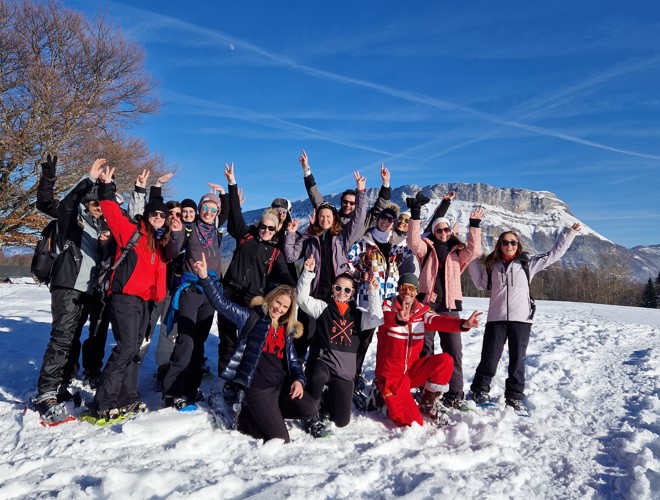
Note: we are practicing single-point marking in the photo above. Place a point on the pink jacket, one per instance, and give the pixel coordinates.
(457, 261)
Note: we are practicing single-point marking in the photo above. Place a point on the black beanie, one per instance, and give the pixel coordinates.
(156, 205)
(188, 203)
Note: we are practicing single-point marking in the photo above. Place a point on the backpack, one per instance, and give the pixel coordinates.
(523, 258)
(105, 272)
(45, 253)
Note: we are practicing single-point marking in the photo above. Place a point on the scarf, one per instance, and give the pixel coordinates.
(159, 232)
(205, 233)
(380, 236)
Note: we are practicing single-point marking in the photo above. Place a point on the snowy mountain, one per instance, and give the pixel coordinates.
(538, 216)
(593, 374)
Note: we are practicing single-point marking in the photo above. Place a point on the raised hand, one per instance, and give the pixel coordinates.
(449, 196)
(304, 163)
(478, 213)
(241, 196)
(360, 181)
(576, 227)
(216, 188)
(310, 264)
(292, 226)
(404, 313)
(374, 284)
(97, 168)
(384, 175)
(105, 173)
(229, 173)
(50, 164)
(312, 218)
(163, 179)
(141, 179)
(200, 267)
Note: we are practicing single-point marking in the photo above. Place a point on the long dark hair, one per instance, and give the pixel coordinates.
(150, 233)
(336, 227)
(496, 254)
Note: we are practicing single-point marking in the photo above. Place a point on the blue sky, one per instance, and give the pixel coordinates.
(559, 96)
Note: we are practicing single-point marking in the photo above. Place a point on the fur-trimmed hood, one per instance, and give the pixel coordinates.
(296, 329)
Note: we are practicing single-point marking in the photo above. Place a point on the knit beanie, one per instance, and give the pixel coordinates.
(188, 203)
(440, 220)
(409, 279)
(209, 197)
(156, 205)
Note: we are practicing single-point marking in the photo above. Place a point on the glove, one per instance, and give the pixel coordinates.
(415, 204)
(49, 166)
(475, 222)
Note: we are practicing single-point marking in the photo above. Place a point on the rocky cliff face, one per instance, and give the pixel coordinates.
(537, 216)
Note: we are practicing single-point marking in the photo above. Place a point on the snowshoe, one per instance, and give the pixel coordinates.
(518, 407)
(366, 396)
(317, 428)
(225, 416)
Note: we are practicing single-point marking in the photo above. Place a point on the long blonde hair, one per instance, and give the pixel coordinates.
(290, 317)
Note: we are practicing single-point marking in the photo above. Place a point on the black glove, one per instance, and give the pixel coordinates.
(475, 222)
(49, 166)
(415, 204)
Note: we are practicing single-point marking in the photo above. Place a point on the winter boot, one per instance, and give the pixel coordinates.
(517, 406)
(454, 400)
(481, 397)
(133, 408)
(317, 428)
(230, 393)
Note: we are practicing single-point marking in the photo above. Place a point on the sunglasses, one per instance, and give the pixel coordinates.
(339, 288)
(264, 227)
(388, 218)
(176, 214)
(157, 214)
(347, 202)
(506, 243)
(93, 203)
(213, 210)
(442, 230)
(404, 219)
(407, 288)
(281, 210)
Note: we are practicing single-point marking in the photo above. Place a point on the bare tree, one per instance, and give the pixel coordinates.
(68, 86)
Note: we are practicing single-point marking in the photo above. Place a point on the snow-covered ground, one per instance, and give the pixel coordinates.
(593, 390)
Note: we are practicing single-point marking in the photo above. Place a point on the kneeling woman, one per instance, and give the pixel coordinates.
(264, 362)
(333, 350)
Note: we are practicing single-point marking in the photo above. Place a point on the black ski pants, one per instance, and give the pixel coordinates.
(69, 310)
(93, 349)
(264, 411)
(338, 400)
(497, 333)
(184, 374)
(129, 316)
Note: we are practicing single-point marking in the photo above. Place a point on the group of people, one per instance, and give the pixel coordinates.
(297, 309)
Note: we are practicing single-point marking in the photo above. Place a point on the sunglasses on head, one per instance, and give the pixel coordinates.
(442, 230)
(157, 214)
(212, 209)
(403, 219)
(264, 227)
(347, 202)
(339, 288)
(506, 243)
(388, 218)
(407, 288)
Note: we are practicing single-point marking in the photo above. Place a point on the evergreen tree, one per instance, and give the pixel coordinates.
(650, 295)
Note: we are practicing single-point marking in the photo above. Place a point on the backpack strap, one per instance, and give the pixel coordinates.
(129, 246)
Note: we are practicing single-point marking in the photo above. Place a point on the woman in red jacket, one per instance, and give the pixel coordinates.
(135, 286)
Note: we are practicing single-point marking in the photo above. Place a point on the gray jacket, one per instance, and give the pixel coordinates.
(510, 300)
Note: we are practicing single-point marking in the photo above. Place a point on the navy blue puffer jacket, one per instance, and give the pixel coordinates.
(253, 326)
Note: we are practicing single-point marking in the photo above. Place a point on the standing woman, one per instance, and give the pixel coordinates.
(195, 314)
(135, 286)
(442, 259)
(264, 363)
(329, 243)
(508, 274)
